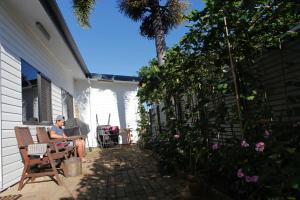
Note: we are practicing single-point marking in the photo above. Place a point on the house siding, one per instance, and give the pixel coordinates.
(117, 99)
(11, 116)
(56, 101)
(0, 117)
(17, 42)
(24, 42)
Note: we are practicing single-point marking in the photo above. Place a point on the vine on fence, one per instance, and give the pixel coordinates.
(195, 86)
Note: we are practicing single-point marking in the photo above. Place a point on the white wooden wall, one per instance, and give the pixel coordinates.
(56, 101)
(17, 42)
(11, 115)
(11, 94)
(25, 42)
(117, 99)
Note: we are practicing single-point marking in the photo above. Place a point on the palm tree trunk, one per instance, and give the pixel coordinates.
(160, 43)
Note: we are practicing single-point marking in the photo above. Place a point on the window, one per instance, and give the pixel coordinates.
(36, 96)
(67, 105)
(45, 104)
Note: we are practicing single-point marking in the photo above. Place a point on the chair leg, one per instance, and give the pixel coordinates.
(75, 151)
(54, 170)
(32, 179)
(75, 148)
(21, 183)
(63, 167)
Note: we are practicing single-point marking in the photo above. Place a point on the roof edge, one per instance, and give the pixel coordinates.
(54, 13)
(112, 78)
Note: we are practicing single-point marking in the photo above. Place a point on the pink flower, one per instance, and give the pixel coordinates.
(267, 133)
(260, 147)
(250, 179)
(240, 173)
(244, 144)
(215, 146)
(176, 136)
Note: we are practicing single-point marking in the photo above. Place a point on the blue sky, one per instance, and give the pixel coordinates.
(113, 44)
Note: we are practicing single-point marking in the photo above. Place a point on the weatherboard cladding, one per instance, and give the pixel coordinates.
(17, 41)
(56, 101)
(16, 35)
(54, 13)
(11, 115)
(16, 44)
(113, 102)
(279, 73)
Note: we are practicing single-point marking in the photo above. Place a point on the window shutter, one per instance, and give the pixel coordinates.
(67, 104)
(45, 104)
(70, 106)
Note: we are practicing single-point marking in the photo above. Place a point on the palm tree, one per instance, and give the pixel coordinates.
(156, 19)
(82, 10)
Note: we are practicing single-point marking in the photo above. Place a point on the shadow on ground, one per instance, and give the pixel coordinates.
(126, 173)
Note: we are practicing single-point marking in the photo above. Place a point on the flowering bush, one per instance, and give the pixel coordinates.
(240, 173)
(264, 168)
(260, 146)
(251, 179)
(244, 144)
(194, 86)
(176, 136)
(215, 146)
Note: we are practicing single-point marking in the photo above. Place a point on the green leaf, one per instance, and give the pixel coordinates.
(291, 150)
(250, 98)
(295, 186)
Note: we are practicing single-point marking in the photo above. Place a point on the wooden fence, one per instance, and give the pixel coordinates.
(278, 71)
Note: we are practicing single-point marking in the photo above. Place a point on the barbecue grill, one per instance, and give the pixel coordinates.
(107, 134)
(76, 127)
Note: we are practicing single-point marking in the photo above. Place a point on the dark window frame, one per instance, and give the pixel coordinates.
(69, 102)
(45, 108)
(42, 120)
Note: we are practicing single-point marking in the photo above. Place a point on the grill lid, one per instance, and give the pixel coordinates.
(75, 126)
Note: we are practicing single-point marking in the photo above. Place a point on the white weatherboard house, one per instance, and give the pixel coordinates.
(42, 74)
(107, 99)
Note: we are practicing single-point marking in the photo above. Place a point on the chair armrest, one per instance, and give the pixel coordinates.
(58, 140)
(22, 147)
(76, 137)
(52, 146)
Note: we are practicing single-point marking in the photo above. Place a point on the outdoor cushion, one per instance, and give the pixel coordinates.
(37, 149)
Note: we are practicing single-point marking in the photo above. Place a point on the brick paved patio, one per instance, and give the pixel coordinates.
(114, 173)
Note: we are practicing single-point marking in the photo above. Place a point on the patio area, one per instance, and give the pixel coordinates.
(124, 172)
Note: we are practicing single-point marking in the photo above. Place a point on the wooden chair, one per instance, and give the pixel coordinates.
(45, 166)
(43, 137)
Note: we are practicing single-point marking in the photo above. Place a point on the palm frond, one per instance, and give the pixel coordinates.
(134, 9)
(147, 27)
(173, 14)
(82, 10)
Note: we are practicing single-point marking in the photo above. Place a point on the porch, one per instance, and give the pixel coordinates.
(125, 172)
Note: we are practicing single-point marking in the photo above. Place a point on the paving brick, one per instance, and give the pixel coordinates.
(125, 173)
